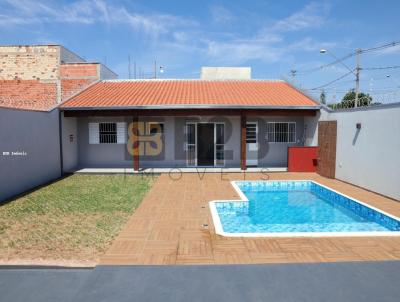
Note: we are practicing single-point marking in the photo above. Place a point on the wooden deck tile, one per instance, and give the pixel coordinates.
(126, 247)
(173, 225)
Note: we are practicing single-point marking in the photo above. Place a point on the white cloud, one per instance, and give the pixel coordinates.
(239, 51)
(311, 16)
(222, 15)
(311, 45)
(37, 12)
(25, 12)
(269, 44)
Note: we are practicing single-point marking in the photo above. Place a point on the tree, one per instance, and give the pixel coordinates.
(322, 97)
(349, 100)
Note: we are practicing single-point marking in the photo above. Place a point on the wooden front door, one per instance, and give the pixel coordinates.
(327, 148)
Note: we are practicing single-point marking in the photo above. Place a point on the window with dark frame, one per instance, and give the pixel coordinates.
(251, 133)
(108, 133)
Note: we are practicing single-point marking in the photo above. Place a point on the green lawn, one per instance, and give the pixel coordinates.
(75, 218)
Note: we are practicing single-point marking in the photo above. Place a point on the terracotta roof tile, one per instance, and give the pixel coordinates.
(136, 93)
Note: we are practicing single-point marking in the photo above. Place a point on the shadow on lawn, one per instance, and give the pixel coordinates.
(23, 194)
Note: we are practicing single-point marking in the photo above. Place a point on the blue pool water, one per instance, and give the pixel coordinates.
(298, 206)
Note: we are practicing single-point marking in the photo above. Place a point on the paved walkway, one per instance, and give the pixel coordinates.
(173, 225)
(359, 281)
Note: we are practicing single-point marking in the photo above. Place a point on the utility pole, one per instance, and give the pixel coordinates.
(293, 73)
(358, 68)
(129, 66)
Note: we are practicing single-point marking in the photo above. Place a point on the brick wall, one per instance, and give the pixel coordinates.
(76, 77)
(29, 76)
(27, 94)
(29, 62)
(79, 70)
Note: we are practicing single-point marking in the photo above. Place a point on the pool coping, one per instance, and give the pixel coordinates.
(219, 229)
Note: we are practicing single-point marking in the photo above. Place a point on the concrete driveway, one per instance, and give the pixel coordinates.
(357, 281)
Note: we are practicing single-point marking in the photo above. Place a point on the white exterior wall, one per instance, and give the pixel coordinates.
(69, 148)
(369, 157)
(225, 73)
(34, 137)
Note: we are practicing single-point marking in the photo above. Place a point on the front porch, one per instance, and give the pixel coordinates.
(160, 140)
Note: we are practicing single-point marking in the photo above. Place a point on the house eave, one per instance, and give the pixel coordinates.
(172, 107)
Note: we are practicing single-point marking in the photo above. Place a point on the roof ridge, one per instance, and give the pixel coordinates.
(194, 80)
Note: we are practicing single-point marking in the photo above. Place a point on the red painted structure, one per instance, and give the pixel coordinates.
(302, 159)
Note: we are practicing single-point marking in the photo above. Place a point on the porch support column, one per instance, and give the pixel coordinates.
(135, 142)
(243, 141)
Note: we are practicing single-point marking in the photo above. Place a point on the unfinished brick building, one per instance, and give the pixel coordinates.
(38, 77)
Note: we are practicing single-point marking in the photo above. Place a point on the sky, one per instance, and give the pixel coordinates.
(272, 37)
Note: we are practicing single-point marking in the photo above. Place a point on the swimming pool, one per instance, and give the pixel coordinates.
(297, 208)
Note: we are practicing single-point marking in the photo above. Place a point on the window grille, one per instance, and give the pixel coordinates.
(281, 132)
(251, 133)
(219, 144)
(108, 133)
(191, 144)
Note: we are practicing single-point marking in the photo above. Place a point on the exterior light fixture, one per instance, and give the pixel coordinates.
(322, 51)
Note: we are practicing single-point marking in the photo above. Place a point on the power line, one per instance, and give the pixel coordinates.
(381, 47)
(366, 50)
(311, 70)
(331, 82)
(380, 68)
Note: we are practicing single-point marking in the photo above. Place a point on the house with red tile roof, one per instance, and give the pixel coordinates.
(224, 119)
(167, 123)
(59, 113)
